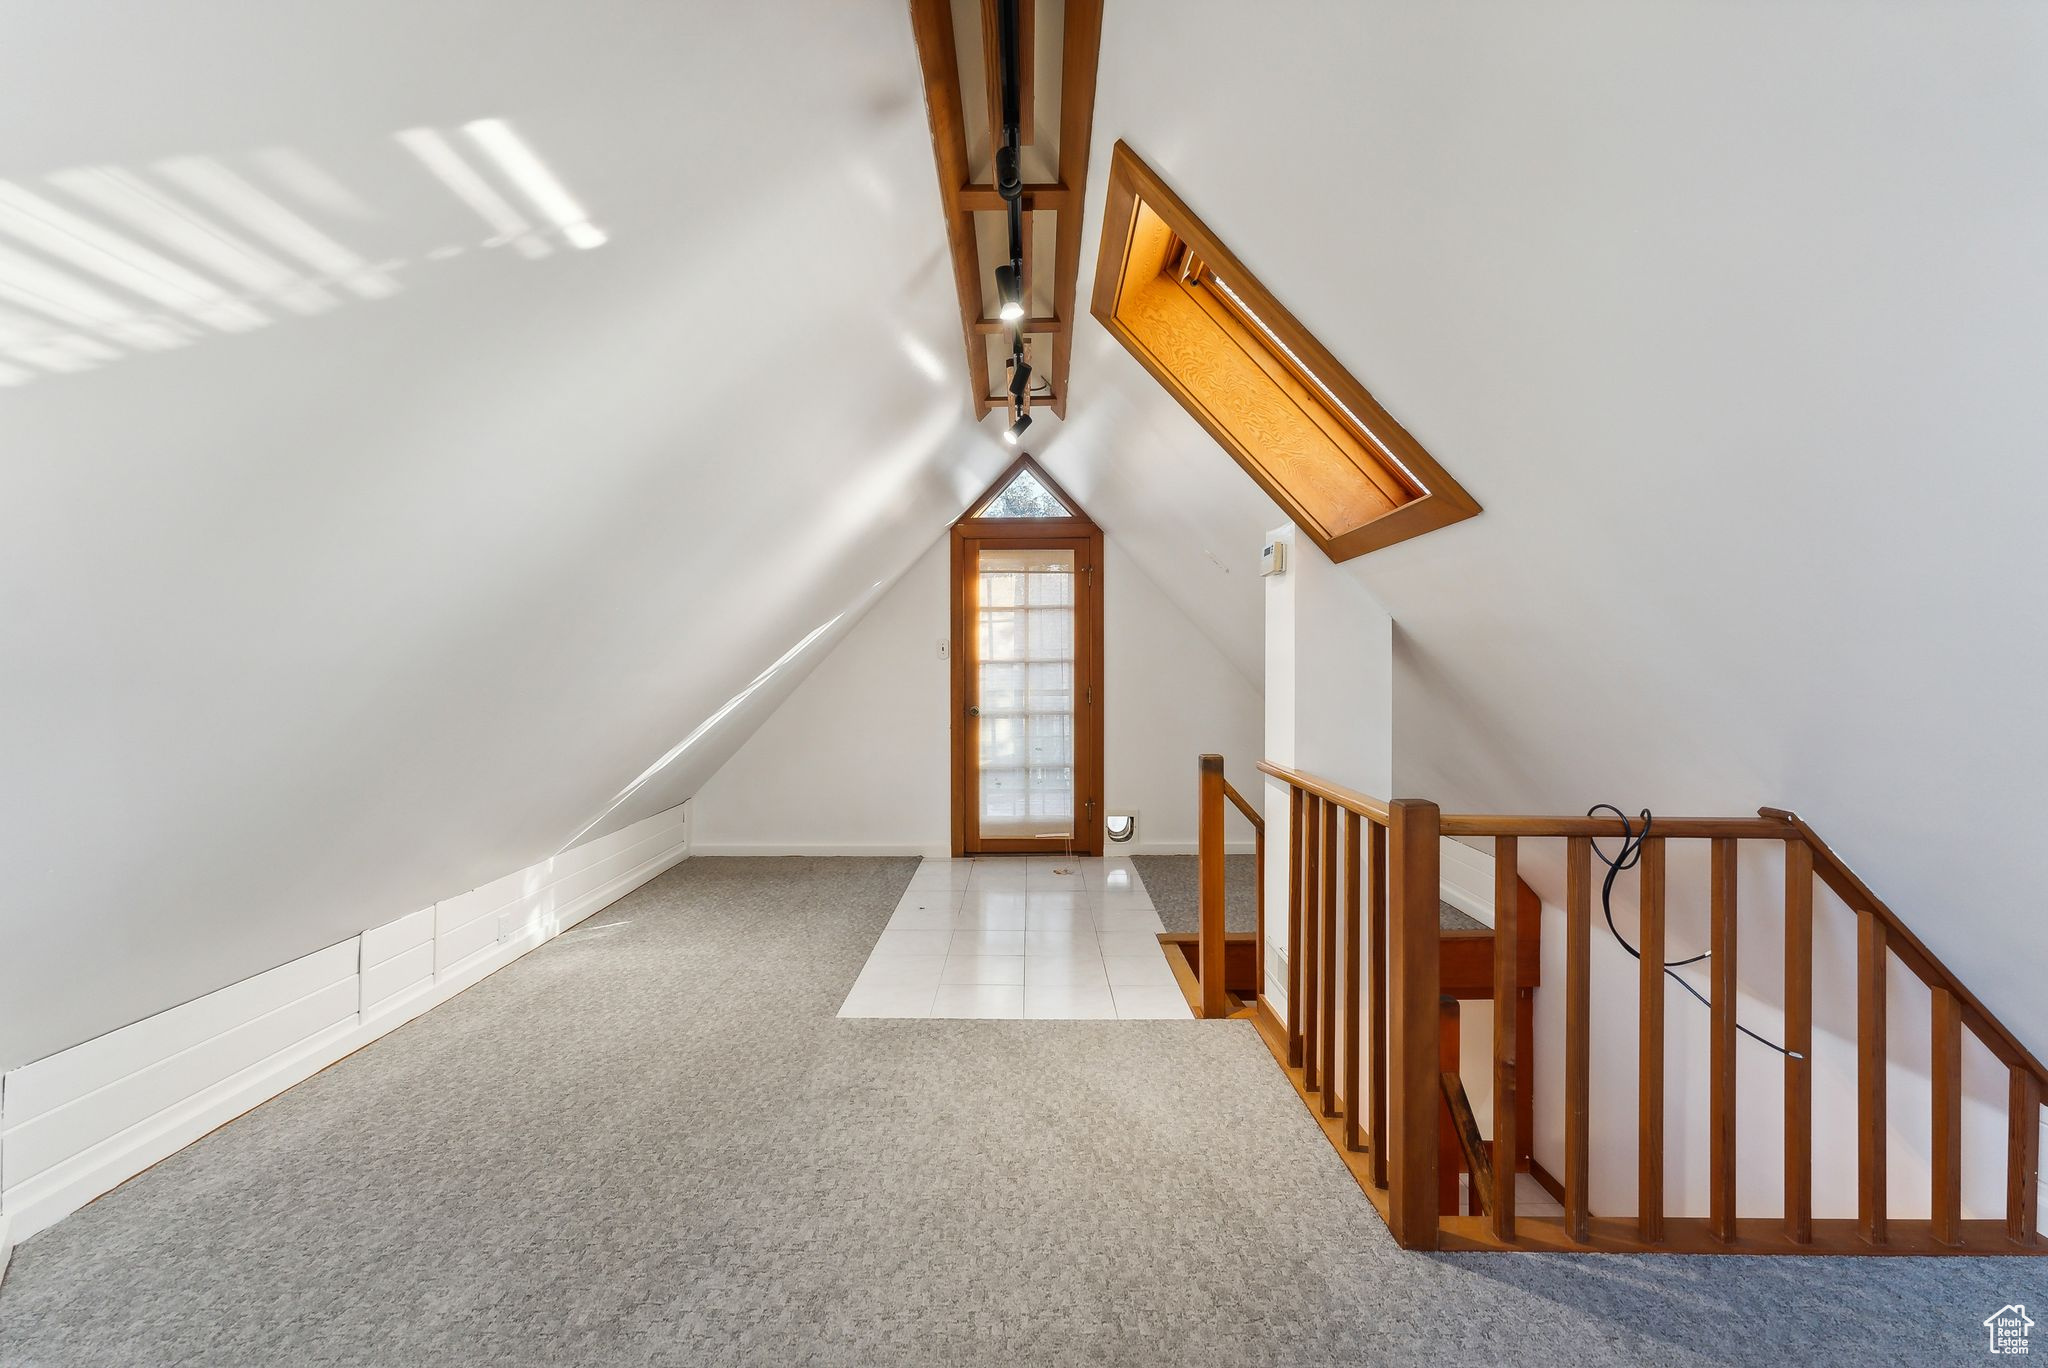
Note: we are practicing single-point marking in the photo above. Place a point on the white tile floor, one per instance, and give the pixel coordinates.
(1036, 936)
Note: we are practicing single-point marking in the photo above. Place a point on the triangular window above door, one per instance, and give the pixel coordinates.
(1025, 495)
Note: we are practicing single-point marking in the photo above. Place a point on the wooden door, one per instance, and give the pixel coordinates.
(1027, 696)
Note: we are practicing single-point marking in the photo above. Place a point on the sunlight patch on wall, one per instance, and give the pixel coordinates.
(98, 263)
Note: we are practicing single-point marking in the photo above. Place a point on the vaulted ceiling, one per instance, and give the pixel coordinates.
(398, 579)
(496, 532)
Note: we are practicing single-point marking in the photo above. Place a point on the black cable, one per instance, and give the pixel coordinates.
(1630, 854)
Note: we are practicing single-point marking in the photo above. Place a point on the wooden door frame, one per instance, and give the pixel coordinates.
(969, 535)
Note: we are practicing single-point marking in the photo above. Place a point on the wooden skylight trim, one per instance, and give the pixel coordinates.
(1271, 395)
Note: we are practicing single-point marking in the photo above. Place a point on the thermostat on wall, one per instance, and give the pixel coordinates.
(1273, 558)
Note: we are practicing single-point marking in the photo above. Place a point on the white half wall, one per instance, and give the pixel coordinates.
(857, 761)
(80, 1122)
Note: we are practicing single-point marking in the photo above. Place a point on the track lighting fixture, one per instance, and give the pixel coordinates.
(1009, 178)
(1020, 378)
(1016, 430)
(1009, 293)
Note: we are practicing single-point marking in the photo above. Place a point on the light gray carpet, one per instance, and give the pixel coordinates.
(1172, 882)
(652, 1142)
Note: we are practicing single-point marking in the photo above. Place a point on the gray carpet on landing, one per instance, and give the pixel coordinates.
(1171, 880)
(652, 1142)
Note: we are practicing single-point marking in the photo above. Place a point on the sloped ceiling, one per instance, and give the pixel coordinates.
(308, 624)
(1733, 318)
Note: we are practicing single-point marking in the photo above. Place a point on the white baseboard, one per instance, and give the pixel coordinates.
(779, 848)
(6, 1244)
(935, 852)
(101, 1112)
(55, 1193)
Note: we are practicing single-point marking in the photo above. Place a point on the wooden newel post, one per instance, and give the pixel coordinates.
(1209, 887)
(1414, 932)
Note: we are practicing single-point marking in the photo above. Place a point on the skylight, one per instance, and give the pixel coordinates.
(1271, 395)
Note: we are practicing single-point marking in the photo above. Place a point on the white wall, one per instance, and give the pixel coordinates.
(1329, 702)
(324, 617)
(1730, 317)
(79, 1122)
(857, 760)
(1739, 382)
(1172, 696)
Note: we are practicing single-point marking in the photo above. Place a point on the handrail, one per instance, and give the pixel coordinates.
(1351, 800)
(1251, 814)
(1912, 952)
(1677, 828)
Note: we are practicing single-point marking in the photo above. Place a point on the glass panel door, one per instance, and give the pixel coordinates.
(1025, 677)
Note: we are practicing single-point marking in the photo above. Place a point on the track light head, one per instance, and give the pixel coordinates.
(1020, 378)
(1009, 292)
(1009, 176)
(1016, 430)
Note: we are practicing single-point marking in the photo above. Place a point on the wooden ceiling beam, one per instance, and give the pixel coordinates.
(992, 68)
(986, 326)
(1038, 195)
(931, 23)
(1002, 400)
(961, 198)
(1080, 49)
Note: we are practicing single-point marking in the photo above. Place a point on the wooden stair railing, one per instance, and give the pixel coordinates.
(1364, 981)
(1209, 885)
(1955, 1008)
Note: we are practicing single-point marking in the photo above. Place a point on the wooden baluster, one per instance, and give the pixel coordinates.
(2022, 1156)
(1721, 1039)
(1259, 927)
(1507, 902)
(1330, 917)
(1295, 816)
(1946, 1057)
(1870, 1051)
(1799, 1040)
(1209, 887)
(1354, 990)
(1650, 1062)
(1414, 936)
(1578, 947)
(1311, 923)
(1376, 952)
